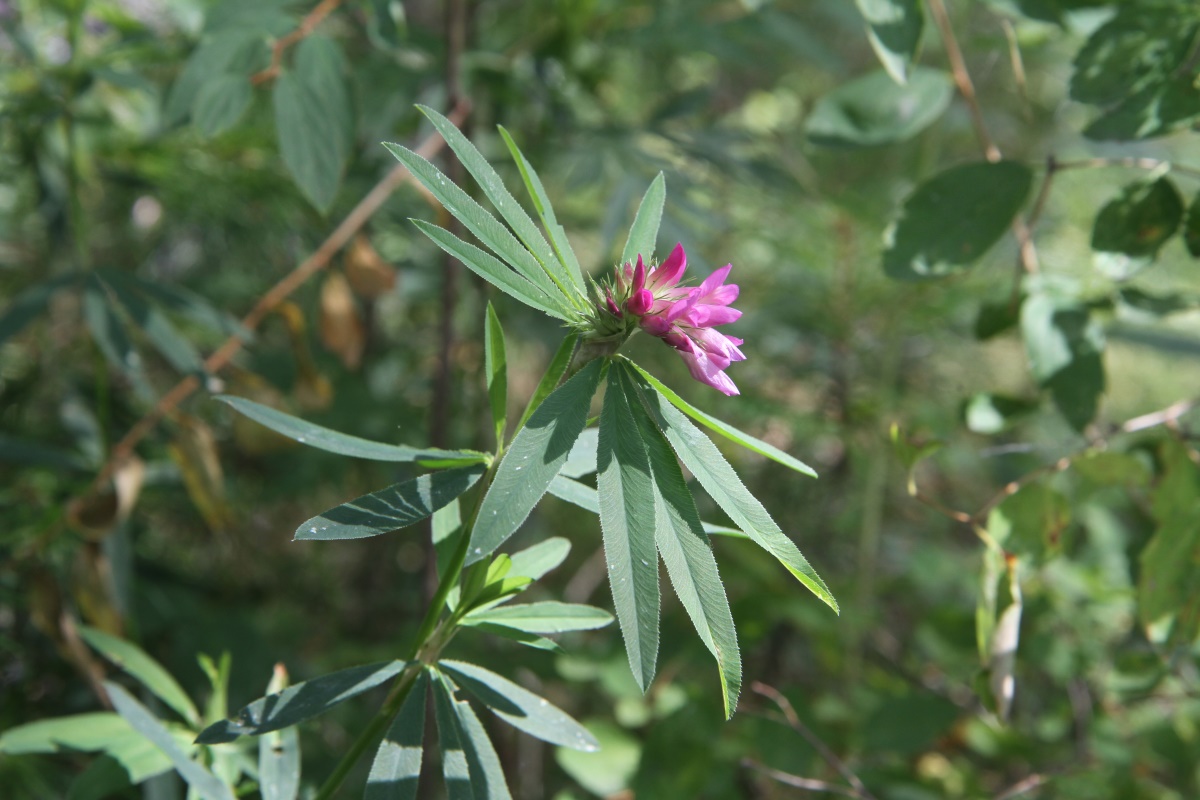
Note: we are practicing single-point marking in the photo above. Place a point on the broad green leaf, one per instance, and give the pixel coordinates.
(29, 304)
(1130, 229)
(390, 509)
(955, 217)
(486, 227)
(311, 138)
(146, 670)
(704, 460)
(582, 459)
(542, 618)
(206, 785)
(279, 753)
(231, 52)
(1138, 49)
(1031, 523)
(262, 18)
(495, 366)
(685, 549)
(728, 431)
(988, 413)
(300, 701)
(534, 562)
(643, 235)
(345, 444)
(220, 103)
(552, 377)
(493, 187)
(396, 770)
(519, 707)
(491, 270)
(95, 732)
(1169, 580)
(1113, 468)
(627, 521)
(1157, 305)
(996, 318)
(321, 65)
(541, 202)
(535, 456)
(464, 757)
(894, 30)
(1065, 345)
(875, 110)
(1157, 110)
(162, 334)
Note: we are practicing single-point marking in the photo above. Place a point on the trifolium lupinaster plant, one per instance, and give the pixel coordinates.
(645, 436)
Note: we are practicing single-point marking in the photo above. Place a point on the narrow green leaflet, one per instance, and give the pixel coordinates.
(728, 431)
(545, 617)
(644, 233)
(446, 528)
(30, 304)
(627, 524)
(104, 732)
(894, 30)
(180, 301)
(487, 775)
(478, 221)
(495, 365)
(300, 702)
(519, 707)
(162, 334)
(685, 550)
(390, 509)
(396, 770)
(552, 377)
(311, 138)
(534, 562)
(492, 270)
(345, 444)
(220, 103)
(505, 203)
(541, 202)
(279, 754)
(535, 456)
(955, 217)
(704, 460)
(109, 334)
(466, 777)
(199, 779)
(527, 639)
(588, 499)
(582, 459)
(134, 661)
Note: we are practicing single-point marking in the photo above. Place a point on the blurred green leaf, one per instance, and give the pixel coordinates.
(875, 110)
(609, 770)
(1111, 468)
(495, 366)
(953, 218)
(989, 413)
(30, 304)
(312, 141)
(996, 318)
(643, 234)
(627, 521)
(133, 660)
(279, 753)
(894, 30)
(1157, 110)
(908, 724)
(320, 64)
(545, 617)
(1140, 47)
(1031, 522)
(162, 334)
(1130, 229)
(1065, 346)
(103, 732)
(1191, 227)
(1157, 304)
(535, 456)
(1169, 579)
(345, 444)
(300, 701)
(519, 707)
(199, 779)
(233, 52)
(396, 770)
(220, 103)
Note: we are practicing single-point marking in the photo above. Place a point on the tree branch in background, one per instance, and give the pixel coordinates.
(307, 25)
(316, 262)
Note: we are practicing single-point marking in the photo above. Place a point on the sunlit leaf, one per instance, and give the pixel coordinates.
(894, 30)
(142, 667)
(396, 770)
(535, 561)
(469, 762)
(546, 617)
(643, 235)
(279, 753)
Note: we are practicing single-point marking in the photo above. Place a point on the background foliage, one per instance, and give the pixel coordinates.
(970, 305)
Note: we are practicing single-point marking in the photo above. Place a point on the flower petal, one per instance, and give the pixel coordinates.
(668, 273)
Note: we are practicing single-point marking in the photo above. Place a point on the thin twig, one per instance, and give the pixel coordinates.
(811, 784)
(1023, 786)
(962, 78)
(320, 258)
(793, 720)
(307, 25)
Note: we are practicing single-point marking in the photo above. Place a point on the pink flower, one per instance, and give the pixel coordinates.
(684, 317)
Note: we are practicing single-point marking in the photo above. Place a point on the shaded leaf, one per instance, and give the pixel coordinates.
(469, 763)
(1130, 229)
(231, 52)
(311, 139)
(1157, 110)
(162, 334)
(1191, 229)
(1031, 522)
(29, 304)
(535, 456)
(894, 30)
(519, 707)
(495, 367)
(344, 444)
(582, 458)
(990, 413)
(1064, 345)
(875, 110)
(643, 235)
(396, 770)
(220, 103)
(1137, 49)
(300, 702)
(133, 660)
(955, 217)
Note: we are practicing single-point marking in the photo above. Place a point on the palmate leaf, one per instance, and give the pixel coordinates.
(205, 784)
(300, 702)
(535, 456)
(627, 522)
(685, 549)
(397, 767)
(644, 233)
(149, 672)
(519, 707)
(344, 444)
(469, 762)
(506, 204)
(390, 509)
(483, 225)
(704, 460)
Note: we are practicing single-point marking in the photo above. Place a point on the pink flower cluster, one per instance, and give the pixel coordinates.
(684, 317)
